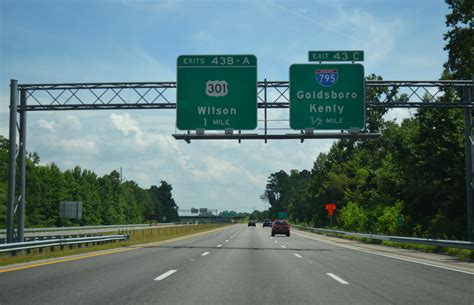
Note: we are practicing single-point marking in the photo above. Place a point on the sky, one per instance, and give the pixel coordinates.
(62, 41)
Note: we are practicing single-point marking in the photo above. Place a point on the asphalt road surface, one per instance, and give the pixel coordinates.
(238, 265)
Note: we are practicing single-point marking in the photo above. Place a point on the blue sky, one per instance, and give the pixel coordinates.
(106, 41)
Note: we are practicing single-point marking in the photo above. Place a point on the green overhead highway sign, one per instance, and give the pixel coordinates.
(336, 56)
(216, 92)
(327, 96)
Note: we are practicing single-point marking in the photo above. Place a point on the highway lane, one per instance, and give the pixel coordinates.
(238, 265)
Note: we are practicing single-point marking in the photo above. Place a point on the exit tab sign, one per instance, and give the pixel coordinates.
(336, 56)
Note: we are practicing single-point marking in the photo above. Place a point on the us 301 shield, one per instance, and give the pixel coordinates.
(326, 77)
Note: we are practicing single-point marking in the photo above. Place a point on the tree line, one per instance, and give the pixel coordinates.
(411, 180)
(106, 200)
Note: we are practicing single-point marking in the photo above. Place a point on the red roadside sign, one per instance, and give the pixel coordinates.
(330, 207)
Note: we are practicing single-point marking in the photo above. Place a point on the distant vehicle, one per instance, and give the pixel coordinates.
(281, 227)
(251, 223)
(267, 223)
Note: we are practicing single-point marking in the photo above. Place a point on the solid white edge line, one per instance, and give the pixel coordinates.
(297, 255)
(165, 275)
(338, 278)
(205, 253)
(386, 255)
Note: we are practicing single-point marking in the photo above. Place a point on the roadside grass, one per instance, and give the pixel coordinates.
(137, 237)
(464, 254)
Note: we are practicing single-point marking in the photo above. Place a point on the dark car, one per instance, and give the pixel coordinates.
(281, 227)
(267, 223)
(251, 223)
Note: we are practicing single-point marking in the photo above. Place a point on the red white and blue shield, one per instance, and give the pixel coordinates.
(326, 77)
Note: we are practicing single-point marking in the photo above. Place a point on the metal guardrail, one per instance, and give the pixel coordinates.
(2, 231)
(33, 230)
(13, 247)
(45, 237)
(399, 239)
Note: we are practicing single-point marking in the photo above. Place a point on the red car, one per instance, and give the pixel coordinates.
(281, 227)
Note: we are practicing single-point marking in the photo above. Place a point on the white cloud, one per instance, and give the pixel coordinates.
(222, 171)
(48, 125)
(78, 146)
(70, 121)
(144, 141)
(124, 123)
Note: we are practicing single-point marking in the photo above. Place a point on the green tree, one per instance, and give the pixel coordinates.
(460, 40)
(163, 202)
(352, 217)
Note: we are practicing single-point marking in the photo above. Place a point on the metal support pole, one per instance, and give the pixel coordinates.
(469, 165)
(12, 160)
(22, 169)
(265, 109)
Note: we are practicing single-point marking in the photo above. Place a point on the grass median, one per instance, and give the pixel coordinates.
(137, 237)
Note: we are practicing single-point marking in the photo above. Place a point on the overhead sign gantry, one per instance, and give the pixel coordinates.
(154, 95)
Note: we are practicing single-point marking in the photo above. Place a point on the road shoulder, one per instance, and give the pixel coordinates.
(432, 259)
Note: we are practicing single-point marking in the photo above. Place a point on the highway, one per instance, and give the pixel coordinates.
(238, 265)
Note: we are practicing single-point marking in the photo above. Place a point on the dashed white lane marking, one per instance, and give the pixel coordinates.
(283, 246)
(165, 275)
(338, 278)
(226, 240)
(218, 246)
(205, 253)
(192, 259)
(297, 255)
(275, 241)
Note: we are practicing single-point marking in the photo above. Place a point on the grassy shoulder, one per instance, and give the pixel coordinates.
(137, 237)
(464, 254)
